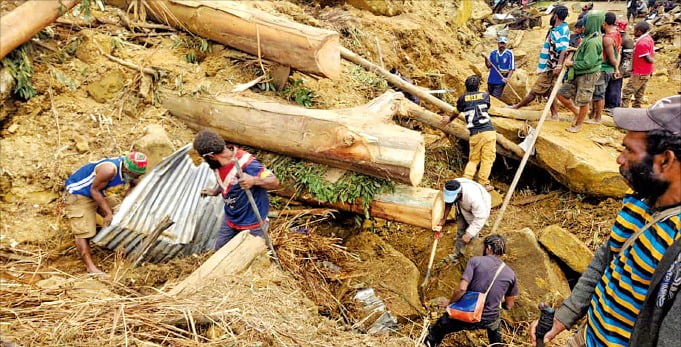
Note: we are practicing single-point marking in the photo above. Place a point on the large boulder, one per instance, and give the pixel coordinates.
(107, 87)
(584, 162)
(540, 279)
(155, 144)
(394, 277)
(566, 247)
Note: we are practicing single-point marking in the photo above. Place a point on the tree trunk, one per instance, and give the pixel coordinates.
(27, 20)
(238, 25)
(422, 207)
(231, 259)
(362, 139)
(455, 128)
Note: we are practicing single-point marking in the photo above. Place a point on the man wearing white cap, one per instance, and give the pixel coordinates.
(501, 63)
(629, 293)
(473, 205)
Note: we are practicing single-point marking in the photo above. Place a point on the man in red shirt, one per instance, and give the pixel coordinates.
(642, 65)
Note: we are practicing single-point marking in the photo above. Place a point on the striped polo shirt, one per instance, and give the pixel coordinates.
(557, 40)
(620, 293)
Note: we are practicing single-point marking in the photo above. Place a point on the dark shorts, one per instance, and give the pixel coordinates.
(613, 94)
(226, 233)
(496, 90)
(581, 88)
(602, 84)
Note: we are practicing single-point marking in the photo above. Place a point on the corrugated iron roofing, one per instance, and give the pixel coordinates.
(172, 188)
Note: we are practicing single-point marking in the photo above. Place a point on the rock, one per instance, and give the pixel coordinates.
(394, 277)
(155, 144)
(107, 87)
(539, 277)
(517, 82)
(497, 198)
(82, 145)
(519, 54)
(566, 247)
(6, 84)
(13, 128)
(479, 9)
(479, 69)
(661, 72)
(377, 7)
(92, 45)
(574, 160)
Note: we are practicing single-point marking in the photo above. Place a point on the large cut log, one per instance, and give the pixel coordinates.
(25, 21)
(231, 259)
(422, 207)
(239, 25)
(362, 139)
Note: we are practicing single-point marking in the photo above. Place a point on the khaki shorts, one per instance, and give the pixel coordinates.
(580, 89)
(82, 214)
(544, 83)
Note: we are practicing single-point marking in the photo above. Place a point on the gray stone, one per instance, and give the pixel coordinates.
(155, 144)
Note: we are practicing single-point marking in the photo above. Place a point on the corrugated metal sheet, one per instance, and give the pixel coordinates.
(172, 188)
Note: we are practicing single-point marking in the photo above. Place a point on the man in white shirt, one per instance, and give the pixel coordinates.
(473, 205)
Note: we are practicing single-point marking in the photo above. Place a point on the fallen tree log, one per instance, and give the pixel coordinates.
(231, 259)
(25, 21)
(362, 139)
(422, 207)
(238, 25)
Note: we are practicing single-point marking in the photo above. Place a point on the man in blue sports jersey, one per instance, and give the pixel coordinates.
(630, 290)
(86, 196)
(239, 214)
(504, 61)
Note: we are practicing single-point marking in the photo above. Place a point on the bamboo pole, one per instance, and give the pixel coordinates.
(528, 153)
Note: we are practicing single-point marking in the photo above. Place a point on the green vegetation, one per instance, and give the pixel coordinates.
(195, 45)
(19, 65)
(298, 93)
(352, 187)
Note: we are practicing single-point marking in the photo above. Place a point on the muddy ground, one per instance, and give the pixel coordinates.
(51, 135)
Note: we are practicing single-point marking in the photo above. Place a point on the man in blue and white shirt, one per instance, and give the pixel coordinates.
(502, 61)
(550, 58)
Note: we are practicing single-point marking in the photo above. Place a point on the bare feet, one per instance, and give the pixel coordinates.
(592, 121)
(554, 117)
(100, 275)
(574, 129)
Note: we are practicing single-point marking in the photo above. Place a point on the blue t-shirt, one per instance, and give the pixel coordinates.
(505, 62)
(238, 210)
(80, 181)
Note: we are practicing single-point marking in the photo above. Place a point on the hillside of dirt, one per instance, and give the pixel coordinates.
(88, 107)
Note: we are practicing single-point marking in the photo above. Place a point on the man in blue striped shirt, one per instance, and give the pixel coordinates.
(502, 61)
(630, 290)
(550, 58)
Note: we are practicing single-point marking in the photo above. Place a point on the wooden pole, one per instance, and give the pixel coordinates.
(25, 21)
(528, 153)
(137, 256)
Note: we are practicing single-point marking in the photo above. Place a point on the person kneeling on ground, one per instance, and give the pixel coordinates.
(473, 205)
(479, 276)
(239, 214)
(86, 195)
(483, 138)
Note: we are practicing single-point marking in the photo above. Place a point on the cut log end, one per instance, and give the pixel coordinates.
(328, 57)
(438, 209)
(418, 166)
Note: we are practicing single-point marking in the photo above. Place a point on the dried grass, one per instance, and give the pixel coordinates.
(262, 306)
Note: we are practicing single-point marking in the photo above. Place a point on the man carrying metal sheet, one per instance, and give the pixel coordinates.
(239, 215)
(86, 196)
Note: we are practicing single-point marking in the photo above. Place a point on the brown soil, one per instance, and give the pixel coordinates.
(48, 137)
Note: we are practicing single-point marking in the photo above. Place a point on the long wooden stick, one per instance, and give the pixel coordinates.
(528, 153)
(137, 256)
(432, 256)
